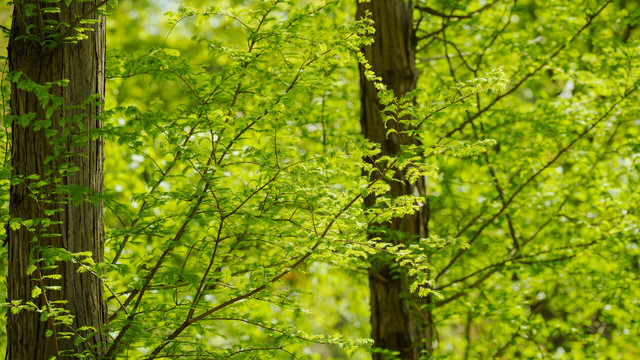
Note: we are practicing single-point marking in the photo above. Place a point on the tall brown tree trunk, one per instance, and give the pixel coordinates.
(397, 322)
(80, 224)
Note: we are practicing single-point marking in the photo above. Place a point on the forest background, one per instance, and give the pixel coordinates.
(248, 211)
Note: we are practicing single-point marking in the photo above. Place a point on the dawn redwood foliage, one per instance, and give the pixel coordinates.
(547, 216)
(232, 203)
(492, 188)
(549, 213)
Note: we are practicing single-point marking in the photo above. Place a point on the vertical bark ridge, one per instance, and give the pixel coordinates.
(81, 228)
(397, 323)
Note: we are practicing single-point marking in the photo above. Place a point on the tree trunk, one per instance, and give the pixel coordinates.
(397, 323)
(80, 226)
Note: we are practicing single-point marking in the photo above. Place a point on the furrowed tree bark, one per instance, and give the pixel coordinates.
(396, 321)
(81, 224)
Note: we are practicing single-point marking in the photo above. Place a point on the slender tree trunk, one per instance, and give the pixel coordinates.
(397, 322)
(80, 226)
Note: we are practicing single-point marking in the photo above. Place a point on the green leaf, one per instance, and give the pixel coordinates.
(35, 292)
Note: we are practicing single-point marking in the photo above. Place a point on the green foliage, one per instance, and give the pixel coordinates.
(236, 197)
(541, 207)
(235, 177)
